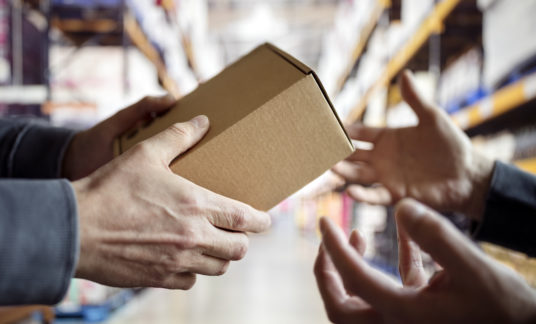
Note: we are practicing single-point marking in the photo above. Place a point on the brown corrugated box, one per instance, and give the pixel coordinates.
(273, 130)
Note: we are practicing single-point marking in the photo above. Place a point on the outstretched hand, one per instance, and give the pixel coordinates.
(432, 162)
(471, 287)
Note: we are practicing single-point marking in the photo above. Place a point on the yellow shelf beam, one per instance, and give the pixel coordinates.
(139, 39)
(364, 37)
(528, 165)
(505, 99)
(433, 24)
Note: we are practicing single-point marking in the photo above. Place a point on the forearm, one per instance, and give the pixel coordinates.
(29, 150)
(509, 216)
(38, 240)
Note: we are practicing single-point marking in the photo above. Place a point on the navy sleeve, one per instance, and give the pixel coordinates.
(38, 218)
(510, 213)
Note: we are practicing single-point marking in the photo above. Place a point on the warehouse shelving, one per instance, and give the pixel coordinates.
(432, 24)
(502, 101)
(139, 39)
(528, 165)
(364, 37)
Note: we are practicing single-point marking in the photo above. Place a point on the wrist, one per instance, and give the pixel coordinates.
(480, 171)
(82, 195)
(68, 163)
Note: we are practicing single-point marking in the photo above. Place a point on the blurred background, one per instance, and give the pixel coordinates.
(72, 63)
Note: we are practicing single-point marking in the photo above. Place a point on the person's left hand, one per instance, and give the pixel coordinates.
(471, 288)
(92, 148)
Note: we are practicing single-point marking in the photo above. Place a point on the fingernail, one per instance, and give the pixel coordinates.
(169, 97)
(200, 121)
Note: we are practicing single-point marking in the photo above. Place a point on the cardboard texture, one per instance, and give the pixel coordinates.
(273, 130)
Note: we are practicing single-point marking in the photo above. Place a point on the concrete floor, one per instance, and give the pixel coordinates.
(273, 284)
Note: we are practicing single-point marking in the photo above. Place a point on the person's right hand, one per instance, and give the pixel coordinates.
(141, 225)
(471, 287)
(433, 162)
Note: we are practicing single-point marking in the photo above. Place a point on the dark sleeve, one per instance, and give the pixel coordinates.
(510, 213)
(38, 240)
(30, 150)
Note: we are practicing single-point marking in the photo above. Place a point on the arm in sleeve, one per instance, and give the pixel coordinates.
(38, 240)
(30, 150)
(510, 213)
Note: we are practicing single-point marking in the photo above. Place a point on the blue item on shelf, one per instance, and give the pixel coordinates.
(88, 3)
(96, 313)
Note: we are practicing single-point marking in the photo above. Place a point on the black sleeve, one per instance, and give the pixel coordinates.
(30, 150)
(510, 213)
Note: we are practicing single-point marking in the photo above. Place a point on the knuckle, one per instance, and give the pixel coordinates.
(142, 149)
(188, 282)
(223, 268)
(173, 265)
(241, 249)
(190, 239)
(238, 217)
(181, 129)
(191, 204)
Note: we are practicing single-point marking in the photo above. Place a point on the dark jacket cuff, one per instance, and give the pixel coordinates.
(510, 214)
(38, 152)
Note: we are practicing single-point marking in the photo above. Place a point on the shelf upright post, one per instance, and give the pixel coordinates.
(44, 7)
(16, 42)
(124, 44)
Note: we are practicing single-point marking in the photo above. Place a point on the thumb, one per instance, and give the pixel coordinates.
(438, 237)
(410, 265)
(413, 97)
(178, 138)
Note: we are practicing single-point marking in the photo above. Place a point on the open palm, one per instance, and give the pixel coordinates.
(432, 162)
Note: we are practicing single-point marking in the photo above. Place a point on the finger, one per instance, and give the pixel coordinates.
(208, 265)
(360, 132)
(435, 235)
(128, 117)
(355, 172)
(360, 155)
(372, 195)
(226, 245)
(329, 283)
(422, 108)
(178, 138)
(410, 263)
(236, 216)
(357, 241)
(358, 277)
(183, 281)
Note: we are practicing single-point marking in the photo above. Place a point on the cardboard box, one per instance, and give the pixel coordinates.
(273, 130)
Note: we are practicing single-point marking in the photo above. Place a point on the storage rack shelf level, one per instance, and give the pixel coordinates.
(141, 41)
(528, 165)
(502, 101)
(364, 37)
(432, 24)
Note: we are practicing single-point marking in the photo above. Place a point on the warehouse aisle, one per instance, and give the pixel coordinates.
(273, 284)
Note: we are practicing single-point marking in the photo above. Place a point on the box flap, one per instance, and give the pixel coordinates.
(292, 60)
(307, 70)
(256, 78)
